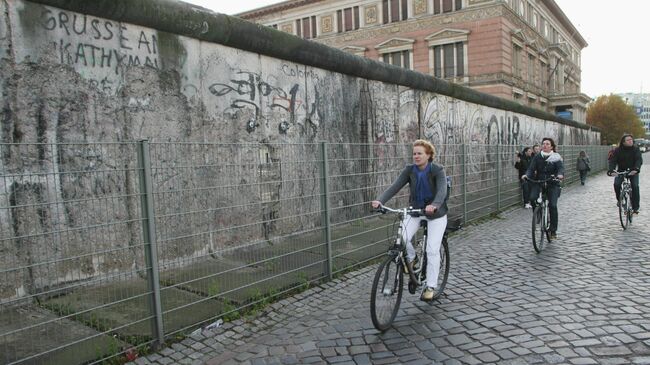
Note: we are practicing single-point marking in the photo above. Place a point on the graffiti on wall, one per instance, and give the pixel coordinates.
(92, 42)
(265, 96)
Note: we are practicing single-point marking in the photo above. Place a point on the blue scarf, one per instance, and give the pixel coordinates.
(423, 193)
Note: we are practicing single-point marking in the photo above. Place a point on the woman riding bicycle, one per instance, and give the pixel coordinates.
(626, 157)
(544, 165)
(428, 191)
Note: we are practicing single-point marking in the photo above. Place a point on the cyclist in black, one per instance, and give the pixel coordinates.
(627, 156)
(428, 191)
(544, 164)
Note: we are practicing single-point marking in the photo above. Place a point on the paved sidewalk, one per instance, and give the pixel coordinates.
(584, 300)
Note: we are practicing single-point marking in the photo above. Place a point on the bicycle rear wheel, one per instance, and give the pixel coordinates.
(443, 275)
(538, 242)
(622, 209)
(386, 293)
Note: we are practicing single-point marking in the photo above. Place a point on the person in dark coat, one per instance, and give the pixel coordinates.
(627, 156)
(583, 167)
(544, 165)
(522, 161)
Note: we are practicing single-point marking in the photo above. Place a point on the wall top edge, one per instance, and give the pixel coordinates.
(199, 23)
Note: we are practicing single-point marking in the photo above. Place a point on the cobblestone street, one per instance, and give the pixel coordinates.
(584, 300)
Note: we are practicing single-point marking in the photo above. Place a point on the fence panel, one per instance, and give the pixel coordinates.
(232, 226)
(72, 269)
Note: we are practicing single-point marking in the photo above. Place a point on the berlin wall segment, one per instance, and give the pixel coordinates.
(92, 79)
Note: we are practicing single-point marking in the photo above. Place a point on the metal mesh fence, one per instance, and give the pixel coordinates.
(109, 249)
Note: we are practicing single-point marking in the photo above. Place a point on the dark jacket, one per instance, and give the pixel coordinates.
(583, 164)
(626, 158)
(541, 168)
(437, 182)
(522, 165)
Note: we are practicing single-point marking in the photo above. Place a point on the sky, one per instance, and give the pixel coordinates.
(616, 60)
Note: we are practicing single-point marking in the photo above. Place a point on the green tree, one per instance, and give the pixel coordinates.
(614, 118)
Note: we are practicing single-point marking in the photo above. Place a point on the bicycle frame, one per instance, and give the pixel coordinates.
(624, 203)
(541, 214)
(398, 249)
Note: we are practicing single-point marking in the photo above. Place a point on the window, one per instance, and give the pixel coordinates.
(446, 6)
(447, 49)
(400, 59)
(396, 51)
(516, 60)
(348, 19)
(306, 27)
(395, 10)
(543, 75)
(521, 8)
(531, 69)
(543, 27)
(449, 60)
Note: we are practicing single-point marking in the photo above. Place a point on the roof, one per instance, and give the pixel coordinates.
(269, 9)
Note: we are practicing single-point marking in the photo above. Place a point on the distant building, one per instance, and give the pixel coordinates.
(523, 50)
(641, 104)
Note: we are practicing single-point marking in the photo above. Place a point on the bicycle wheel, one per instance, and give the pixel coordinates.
(546, 224)
(443, 275)
(386, 293)
(630, 211)
(622, 209)
(538, 224)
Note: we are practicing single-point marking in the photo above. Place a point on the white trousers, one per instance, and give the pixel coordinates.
(435, 231)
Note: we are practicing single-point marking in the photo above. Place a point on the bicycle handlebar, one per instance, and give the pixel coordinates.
(418, 212)
(626, 172)
(552, 178)
(410, 211)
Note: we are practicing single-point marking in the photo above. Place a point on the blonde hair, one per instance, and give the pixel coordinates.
(428, 148)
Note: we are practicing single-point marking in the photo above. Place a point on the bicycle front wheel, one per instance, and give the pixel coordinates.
(622, 209)
(538, 224)
(630, 211)
(546, 223)
(443, 275)
(386, 293)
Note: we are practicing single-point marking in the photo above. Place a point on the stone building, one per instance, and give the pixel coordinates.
(522, 50)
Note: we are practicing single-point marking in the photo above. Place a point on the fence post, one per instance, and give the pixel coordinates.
(464, 178)
(325, 207)
(499, 177)
(149, 240)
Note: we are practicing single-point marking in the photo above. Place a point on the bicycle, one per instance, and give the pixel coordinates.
(624, 201)
(388, 283)
(541, 215)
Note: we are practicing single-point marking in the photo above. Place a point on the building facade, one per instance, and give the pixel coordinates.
(641, 104)
(523, 50)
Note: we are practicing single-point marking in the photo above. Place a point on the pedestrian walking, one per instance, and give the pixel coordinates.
(522, 161)
(583, 166)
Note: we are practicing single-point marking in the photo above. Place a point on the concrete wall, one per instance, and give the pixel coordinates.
(107, 71)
